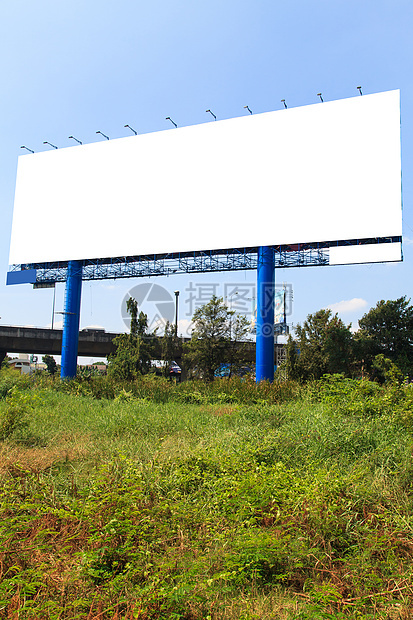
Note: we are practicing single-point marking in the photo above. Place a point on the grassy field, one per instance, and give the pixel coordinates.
(225, 501)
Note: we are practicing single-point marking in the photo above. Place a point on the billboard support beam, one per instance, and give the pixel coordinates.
(71, 320)
(264, 348)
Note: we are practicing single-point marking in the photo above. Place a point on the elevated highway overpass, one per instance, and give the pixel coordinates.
(34, 340)
(92, 343)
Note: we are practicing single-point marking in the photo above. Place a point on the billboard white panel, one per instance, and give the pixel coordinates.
(323, 172)
(380, 253)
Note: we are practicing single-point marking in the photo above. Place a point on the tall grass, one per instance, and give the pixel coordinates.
(159, 389)
(196, 501)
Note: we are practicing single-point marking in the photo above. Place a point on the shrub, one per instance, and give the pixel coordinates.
(14, 418)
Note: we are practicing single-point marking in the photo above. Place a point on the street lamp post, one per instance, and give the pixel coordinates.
(176, 313)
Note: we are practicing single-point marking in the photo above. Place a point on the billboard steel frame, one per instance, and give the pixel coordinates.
(234, 259)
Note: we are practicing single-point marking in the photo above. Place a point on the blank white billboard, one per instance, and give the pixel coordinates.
(375, 253)
(323, 172)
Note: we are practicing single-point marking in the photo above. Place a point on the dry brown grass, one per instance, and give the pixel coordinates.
(219, 410)
(13, 459)
(39, 459)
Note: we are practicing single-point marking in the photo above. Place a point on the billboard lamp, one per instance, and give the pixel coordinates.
(132, 129)
(73, 138)
(27, 149)
(359, 89)
(247, 108)
(46, 142)
(321, 97)
(211, 113)
(283, 101)
(104, 135)
(168, 118)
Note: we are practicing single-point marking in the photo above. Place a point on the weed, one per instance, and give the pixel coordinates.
(157, 501)
(14, 417)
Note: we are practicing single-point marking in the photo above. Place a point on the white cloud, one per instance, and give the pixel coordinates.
(348, 305)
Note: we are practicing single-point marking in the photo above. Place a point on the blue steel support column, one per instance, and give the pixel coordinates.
(71, 320)
(264, 347)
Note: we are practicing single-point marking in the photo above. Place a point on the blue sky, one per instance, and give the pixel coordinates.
(72, 68)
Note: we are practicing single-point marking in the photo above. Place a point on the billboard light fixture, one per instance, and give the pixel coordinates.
(46, 142)
(132, 129)
(247, 108)
(168, 118)
(211, 114)
(27, 149)
(359, 89)
(103, 134)
(283, 101)
(73, 138)
(321, 97)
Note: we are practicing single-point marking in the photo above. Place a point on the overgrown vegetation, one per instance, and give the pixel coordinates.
(221, 500)
(133, 351)
(129, 496)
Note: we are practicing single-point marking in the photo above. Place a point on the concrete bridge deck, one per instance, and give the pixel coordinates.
(91, 343)
(42, 341)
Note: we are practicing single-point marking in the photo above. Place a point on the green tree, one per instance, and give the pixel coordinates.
(323, 344)
(387, 329)
(132, 309)
(291, 363)
(385, 370)
(133, 351)
(5, 362)
(50, 362)
(215, 338)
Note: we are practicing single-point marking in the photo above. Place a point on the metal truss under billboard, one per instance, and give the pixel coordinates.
(301, 255)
